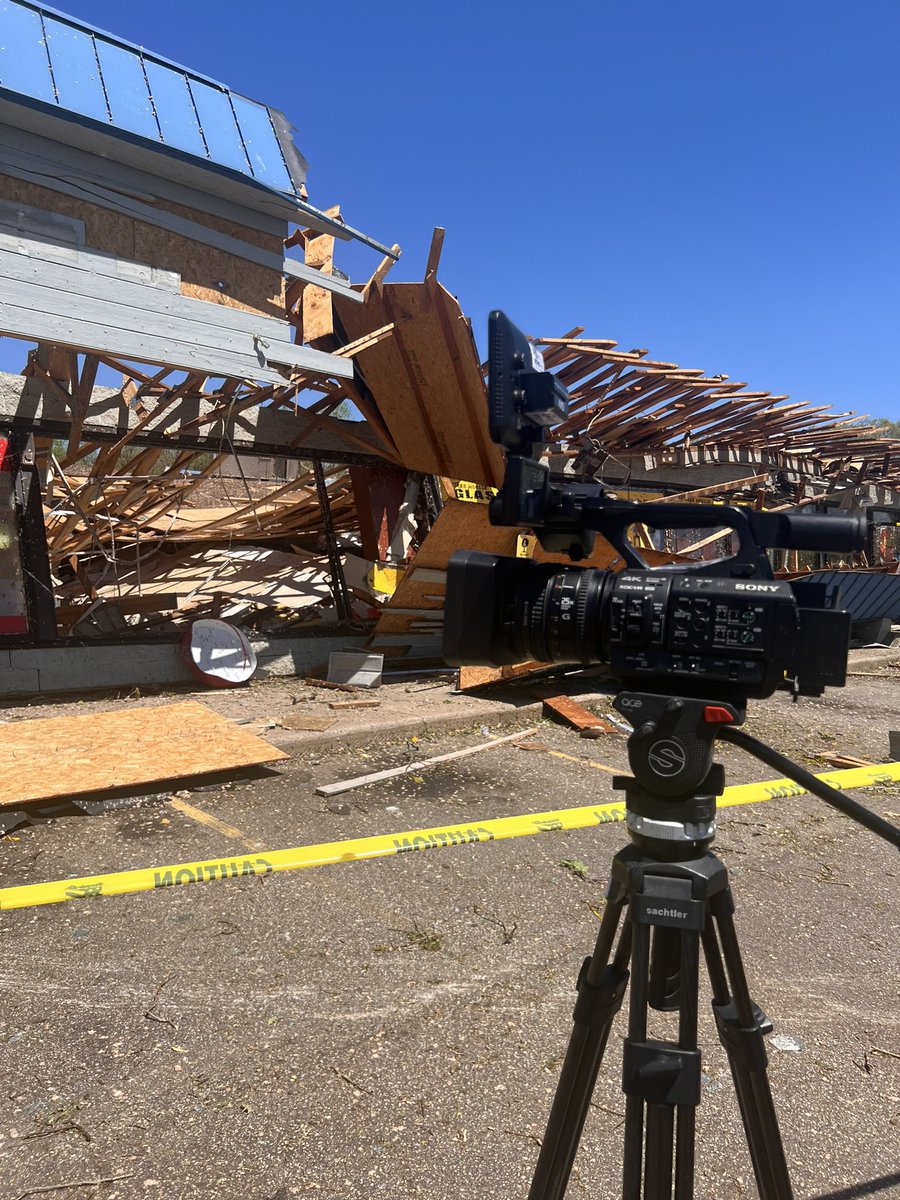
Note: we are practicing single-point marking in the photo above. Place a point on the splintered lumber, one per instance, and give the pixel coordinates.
(70, 756)
(347, 785)
(425, 379)
(573, 713)
(354, 704)
(844, 760)
(326, 683)
(624, 402)
(471, 678)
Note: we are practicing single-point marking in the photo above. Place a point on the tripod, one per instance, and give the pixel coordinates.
(671, 896)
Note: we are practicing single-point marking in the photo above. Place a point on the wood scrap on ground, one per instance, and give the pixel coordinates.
(587, 723)
(326, 683)
(341, 704)
(844, 760)
(69, 756)
(347, 785)
(310, 724)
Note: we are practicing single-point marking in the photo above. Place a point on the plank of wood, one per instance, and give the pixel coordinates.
(341, 704)
(844, 760)
(346, 785)
(66, 756)
(310, 723)
(572, 712)
(326, 683)
(476, 677)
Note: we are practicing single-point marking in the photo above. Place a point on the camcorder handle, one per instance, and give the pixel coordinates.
(755, 532)
(566, 520)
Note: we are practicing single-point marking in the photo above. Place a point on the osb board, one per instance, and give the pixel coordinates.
(202, 268)
(426, 379)
(68, 756)
(477, 677)
(244, 285)
(317, 306)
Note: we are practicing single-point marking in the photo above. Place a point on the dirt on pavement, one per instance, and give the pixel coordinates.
(394, 1028)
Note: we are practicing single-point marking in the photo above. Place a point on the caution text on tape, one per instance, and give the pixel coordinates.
(384, 845)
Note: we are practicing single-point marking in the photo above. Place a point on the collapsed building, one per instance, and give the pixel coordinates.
(200, 415)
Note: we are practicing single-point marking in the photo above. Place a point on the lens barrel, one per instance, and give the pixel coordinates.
(561, 615)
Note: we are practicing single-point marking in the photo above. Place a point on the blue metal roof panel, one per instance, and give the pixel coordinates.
(24, 62)
(83, 72)
(76, 71)
(127, 90)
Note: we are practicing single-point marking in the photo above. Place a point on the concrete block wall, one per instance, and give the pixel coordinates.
(78, 669)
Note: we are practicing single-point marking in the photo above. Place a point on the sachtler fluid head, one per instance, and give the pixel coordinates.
(723, 628)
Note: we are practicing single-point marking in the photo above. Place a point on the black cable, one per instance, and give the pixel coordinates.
(849, 807)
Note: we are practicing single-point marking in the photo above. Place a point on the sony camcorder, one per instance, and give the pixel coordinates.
(713, 628)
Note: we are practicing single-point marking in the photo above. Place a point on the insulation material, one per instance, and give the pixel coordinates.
(70, 756)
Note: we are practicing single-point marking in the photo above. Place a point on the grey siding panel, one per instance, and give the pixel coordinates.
(74, 306)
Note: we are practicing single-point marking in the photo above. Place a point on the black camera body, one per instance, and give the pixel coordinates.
(721, 628)
(662, 630)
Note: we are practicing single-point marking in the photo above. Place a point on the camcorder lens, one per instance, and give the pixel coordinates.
(561, 616)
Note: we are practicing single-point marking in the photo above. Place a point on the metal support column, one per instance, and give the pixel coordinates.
(339, 588)
(33, 539)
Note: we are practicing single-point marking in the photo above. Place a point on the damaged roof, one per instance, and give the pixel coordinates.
(85, 74)
(67, 80)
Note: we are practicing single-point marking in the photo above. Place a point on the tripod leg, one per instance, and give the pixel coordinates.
(661, 1080)
(740, 1027)
(601, 987)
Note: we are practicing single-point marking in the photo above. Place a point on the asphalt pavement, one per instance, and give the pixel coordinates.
(394, 1028)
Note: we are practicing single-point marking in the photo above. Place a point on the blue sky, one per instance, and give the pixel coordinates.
(717, 182)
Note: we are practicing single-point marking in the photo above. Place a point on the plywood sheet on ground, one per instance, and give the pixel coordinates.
(426, 380)
(70, 756)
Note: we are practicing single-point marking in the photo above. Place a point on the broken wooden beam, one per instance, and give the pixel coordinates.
(346, 785)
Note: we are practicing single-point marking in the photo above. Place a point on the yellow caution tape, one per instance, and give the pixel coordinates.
(475, 493)
(383, 845)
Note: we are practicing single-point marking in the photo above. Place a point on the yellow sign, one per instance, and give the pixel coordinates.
(384, 579)
(475, 493)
